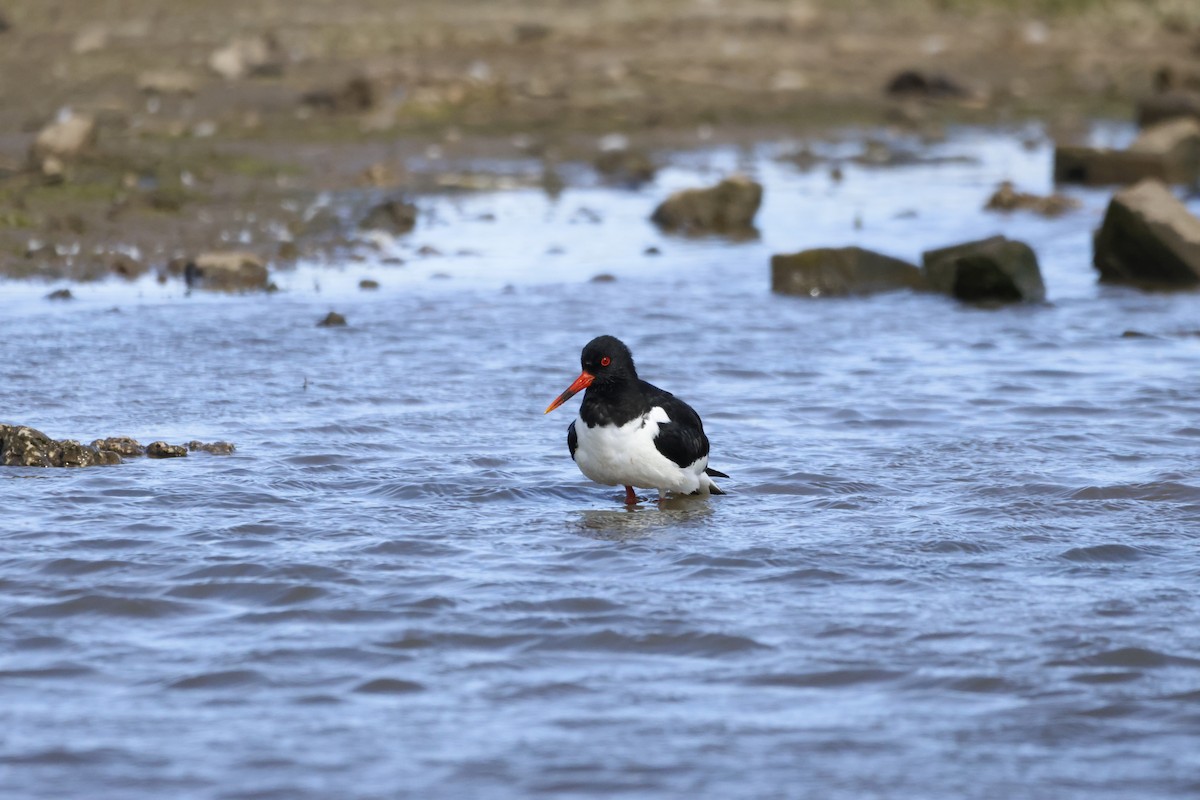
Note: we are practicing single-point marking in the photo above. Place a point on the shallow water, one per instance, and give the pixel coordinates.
(957, 559)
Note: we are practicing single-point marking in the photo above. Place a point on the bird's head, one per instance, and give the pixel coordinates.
(605, 361)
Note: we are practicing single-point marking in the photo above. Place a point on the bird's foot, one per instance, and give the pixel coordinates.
(631, 498)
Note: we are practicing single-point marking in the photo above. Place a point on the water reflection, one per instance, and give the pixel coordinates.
(636, 522)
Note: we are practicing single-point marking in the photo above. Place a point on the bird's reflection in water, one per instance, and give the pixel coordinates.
(635, 522)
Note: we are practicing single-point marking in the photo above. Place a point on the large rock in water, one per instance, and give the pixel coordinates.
(995, 270)
(1169, 151)
(1172, 104)
(831, 272)
(227, 271)
(729, 207)
(22, 446)
(1149, 238)
(396, 216)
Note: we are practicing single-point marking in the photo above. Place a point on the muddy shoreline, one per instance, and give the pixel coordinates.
(272, 129)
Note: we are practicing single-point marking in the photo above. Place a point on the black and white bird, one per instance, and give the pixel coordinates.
(631, 433)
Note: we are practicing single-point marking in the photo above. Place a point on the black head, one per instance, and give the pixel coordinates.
(607, 363)
(608, 359)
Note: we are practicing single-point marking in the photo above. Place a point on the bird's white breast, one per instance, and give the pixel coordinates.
(625, 455)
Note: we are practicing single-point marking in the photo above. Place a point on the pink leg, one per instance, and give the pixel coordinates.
(630, 497)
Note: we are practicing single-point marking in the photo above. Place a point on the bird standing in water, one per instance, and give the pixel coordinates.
(631, 433)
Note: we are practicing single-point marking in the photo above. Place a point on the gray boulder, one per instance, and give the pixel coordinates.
(728, 208)
(1149, 238)
(834, 272)
(995, 270)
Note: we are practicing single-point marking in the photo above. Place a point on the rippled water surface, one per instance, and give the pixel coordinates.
(958, 557)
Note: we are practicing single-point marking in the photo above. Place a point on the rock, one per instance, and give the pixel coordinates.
(164, 450)
(729, 207)
(248, 56)
(332, 320)
(22, 446)
(60, 294)
(995, 270)
(121, 445)
(168, 81)
(216, 448)
(1007, 198)
(1168, 151)
(1148, 238)
(226, 271)
(932, 86)
(356, 95)
(526, 32)
(832, 272)
(368, 285)
(1173, 104)
(65, 138)
(124, 265)
(90, 39)
(394, 216)
(624, 167)
(604, 277)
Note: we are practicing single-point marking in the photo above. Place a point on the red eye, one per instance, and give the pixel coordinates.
(604, 362)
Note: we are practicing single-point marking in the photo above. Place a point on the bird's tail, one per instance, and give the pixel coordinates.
(713, 473)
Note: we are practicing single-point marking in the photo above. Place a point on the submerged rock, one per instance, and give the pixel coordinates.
(368, 284)
(625, 167)
(216, 448)
(22, 446)
(332, 320)
(1168, 151)
(729, 208)
(121, 445)
(1007, 198)
(394, 216)
(833, 272)
(164, 450)
(995, 270)
(1149, 238)
(60, 294)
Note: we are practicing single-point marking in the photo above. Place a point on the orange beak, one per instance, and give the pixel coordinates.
(582, 382)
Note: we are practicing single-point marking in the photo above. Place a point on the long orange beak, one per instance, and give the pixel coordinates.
(582, 382)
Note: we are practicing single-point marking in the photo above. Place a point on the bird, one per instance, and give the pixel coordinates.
(631, 433)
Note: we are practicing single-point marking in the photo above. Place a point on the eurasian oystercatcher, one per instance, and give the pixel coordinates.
(630, 433)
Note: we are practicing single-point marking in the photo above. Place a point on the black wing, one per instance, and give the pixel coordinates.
(572, 439)
(682, 439)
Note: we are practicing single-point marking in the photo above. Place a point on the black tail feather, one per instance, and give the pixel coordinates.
(714, 473)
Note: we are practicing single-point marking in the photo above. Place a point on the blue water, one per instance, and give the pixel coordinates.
(957, 559)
